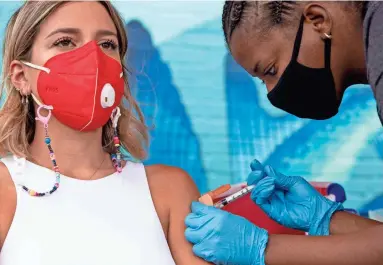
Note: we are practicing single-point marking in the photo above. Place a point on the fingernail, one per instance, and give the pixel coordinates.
(256, 165)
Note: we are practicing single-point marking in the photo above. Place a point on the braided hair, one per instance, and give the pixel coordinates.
(266, 14)
(269, 14)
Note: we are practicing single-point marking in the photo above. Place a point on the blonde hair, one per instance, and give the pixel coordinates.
(17, 120)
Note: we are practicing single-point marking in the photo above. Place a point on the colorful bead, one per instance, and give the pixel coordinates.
(55, 168)
(116, 158)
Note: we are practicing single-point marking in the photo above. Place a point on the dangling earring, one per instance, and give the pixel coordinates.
(327, 36)
(24, 100)
(116, 158)
(21, 95)
(24, 97)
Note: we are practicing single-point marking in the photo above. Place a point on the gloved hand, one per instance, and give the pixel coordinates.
(291, 201)
(223, 238)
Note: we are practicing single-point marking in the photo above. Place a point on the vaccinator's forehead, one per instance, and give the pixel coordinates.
(242, 45)
(251, 48)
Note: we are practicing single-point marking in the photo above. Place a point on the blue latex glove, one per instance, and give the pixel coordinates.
(223, 238)
(291, 201)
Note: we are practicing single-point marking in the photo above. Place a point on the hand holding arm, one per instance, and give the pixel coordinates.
(224, 238)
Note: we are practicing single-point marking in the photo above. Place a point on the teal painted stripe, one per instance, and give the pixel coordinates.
(196, 60)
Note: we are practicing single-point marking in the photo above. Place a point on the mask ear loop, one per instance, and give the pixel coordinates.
(44, 120)
(116, 158)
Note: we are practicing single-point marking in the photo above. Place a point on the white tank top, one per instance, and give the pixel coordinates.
(108, 221)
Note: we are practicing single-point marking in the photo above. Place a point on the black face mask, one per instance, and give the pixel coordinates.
(306, 92)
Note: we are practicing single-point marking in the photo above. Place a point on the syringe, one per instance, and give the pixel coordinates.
(234, 196)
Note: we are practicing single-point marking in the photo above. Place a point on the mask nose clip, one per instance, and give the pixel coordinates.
(108, 96)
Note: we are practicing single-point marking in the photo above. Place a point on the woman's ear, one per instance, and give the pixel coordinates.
(319, 17)
(19, 78)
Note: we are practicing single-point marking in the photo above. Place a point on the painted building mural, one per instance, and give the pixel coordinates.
(209, 117)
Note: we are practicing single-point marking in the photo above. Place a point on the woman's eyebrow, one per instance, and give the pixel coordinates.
(74, 31)
(105, 32)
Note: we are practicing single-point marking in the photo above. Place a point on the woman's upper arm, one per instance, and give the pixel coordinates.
(184, 191)
(7, 202)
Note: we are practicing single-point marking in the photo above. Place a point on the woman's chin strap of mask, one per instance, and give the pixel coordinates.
(38, 102)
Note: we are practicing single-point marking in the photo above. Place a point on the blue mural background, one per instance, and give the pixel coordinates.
(211, 118)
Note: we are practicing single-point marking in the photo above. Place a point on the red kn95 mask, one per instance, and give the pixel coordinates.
(82, 86)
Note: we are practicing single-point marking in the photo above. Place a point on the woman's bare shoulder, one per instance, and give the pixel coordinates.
(172, 182)
(5, 178)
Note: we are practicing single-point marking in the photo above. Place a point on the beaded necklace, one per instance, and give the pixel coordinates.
(116, 158)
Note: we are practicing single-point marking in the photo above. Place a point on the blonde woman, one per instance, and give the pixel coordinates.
(66, 196)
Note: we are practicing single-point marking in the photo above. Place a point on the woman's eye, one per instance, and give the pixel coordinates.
(64, 42)
(109, 45)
